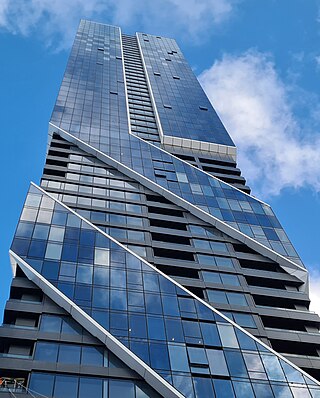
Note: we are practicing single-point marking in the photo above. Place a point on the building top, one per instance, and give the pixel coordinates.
(185, 116)
(93, 106)
(185, 112)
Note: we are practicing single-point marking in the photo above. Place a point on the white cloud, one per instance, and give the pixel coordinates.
(4, 4)
(275, 147)
(56, 20)
(51, 20)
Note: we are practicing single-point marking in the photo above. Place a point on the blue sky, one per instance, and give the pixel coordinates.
(259, 62)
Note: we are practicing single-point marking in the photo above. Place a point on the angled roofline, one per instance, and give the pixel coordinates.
(289, 266)
(94, 328)
(106, 337)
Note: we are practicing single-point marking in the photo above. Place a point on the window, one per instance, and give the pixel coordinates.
(192, 331)
(227, 336)
(264, 389)
(224, 262)
(201, 244)
(56, 234)
(245, 320)
(134, 221)
(210, 334)
(178, 358)
(217, 296)
(141, 251)
(220, 278)
(223, 388)
(237, 298)
(136, 235)
(46, 352)
(36, 249)
(196, 229)
(50, 323)
(187, 305)
(101, 257)
(29, 214)
(134, 208)
(84, 274)
(101, 276)
(215, 261)
(69, 353)
(217, 362)
(90, 387)
(174, 330)
(44, 216)
(156, 328)
(67, 271)
(100, 298)
(41, 232)
(33, 200)
(42, 383)
(69, 326)
(50, 269)
(219, 247)
(121, 388)
(159, 356)
(229, 279)
(206, 260)
(273, 368)
(197, 356)
(66, 386)
(182, 177)
(253, 362)
(59, 218)
(221, 297)
(53, 251)
(243, 390)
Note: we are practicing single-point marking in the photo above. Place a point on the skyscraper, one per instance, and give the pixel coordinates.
(143, 266)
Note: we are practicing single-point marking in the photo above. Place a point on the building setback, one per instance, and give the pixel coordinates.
(142, 265)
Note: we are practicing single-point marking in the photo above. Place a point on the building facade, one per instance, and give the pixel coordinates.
(142, 265)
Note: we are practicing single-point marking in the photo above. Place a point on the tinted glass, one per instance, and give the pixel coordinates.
(46, 352)
(42, 383)
(69, 353)
(121, 389)
(66, 386)
(90, 387)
